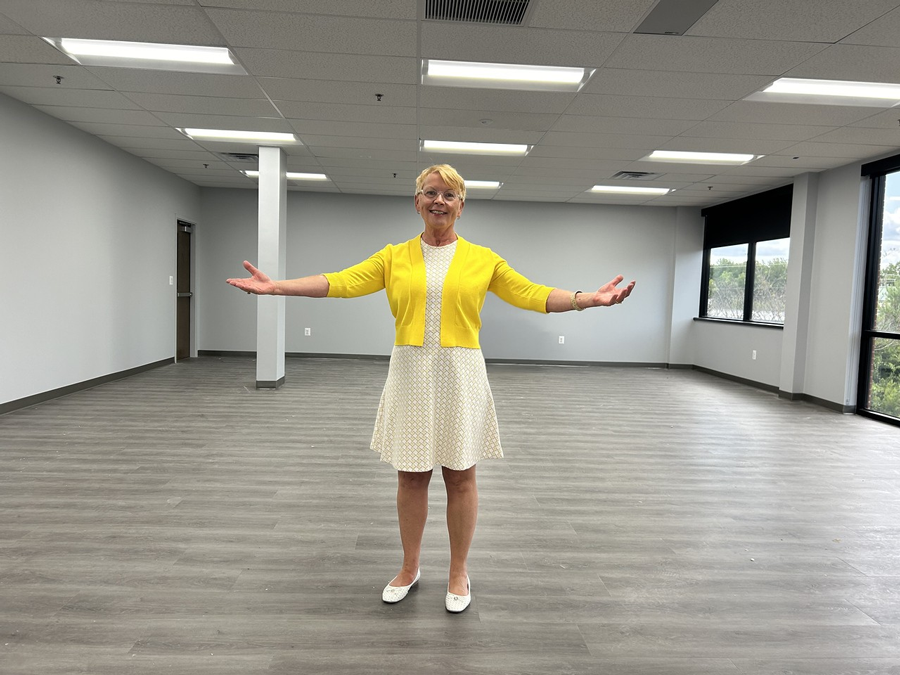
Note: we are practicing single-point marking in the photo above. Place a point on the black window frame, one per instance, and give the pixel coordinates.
(750, 220)
(876, 172)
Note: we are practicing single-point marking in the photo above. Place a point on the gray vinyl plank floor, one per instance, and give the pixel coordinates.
(643, 521)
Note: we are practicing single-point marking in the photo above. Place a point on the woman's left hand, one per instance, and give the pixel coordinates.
(607, 295)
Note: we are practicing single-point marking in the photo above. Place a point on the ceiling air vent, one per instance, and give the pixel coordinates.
(239, 156)
(636, 175)
(507, 12)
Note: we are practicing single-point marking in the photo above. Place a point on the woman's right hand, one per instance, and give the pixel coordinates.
(258, 284)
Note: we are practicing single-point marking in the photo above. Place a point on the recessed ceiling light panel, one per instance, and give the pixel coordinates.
(628, 190)
(291, 175)
(227, 135)
(830, 92)
(483, 184)
(503, 75)
(699, 157)
(475, 148)
(149, 55)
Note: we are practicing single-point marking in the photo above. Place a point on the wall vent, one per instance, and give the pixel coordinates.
(238, 156)
(636, 175)
(506, 12)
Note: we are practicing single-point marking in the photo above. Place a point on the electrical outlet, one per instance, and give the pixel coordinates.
(171, 281)
(307, 333)
(753, 355)
(562, 339)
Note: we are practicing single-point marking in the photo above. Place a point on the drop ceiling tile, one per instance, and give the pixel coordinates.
(749, 130)
(848, 151)
(852, 62)
(330, 128)
(365, 163)
(347, 67)
(662, 84)
(645, 106)
(10, 27)
(132, 130)
(385, 9)
(481, 134)
(134, 143)
(881, 33)
(801, 164)
(100, 115)
(328, 91)
(598, 168)
(511, 121)
(343, 112)
(500, 197)
(790, 113)
(798, 20)
(887, 119)
(621, 16)
(406, 175)
(29, 49)
(584, 153)
(622, 125)
(518, 179)
(373, 155)
(636, 141)
(204, 105)
(467, 165)
(461, 98)
(756, 147)
(862, 136)
(197, 155)
(190, 84)
(563, 164)
(511, 44)
(161, 2)
(361, 142)
(225, 122)
(63, 96)
(316, 32)
(114, 21)
(710, 55)
(35, 75)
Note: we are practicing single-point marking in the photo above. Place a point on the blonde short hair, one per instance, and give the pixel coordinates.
(448, 174)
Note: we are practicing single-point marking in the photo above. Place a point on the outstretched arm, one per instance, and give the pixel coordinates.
(607, 295)
(259, 283)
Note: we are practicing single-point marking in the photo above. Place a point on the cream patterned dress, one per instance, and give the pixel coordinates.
(437, 406)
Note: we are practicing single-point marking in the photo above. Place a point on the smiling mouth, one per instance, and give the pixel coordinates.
(438, 213)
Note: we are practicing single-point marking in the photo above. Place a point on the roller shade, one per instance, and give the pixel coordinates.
(760, 217)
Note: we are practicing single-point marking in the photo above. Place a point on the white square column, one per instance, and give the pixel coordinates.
(272, 259)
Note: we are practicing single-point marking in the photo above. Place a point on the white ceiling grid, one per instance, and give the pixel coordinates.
(315, 67)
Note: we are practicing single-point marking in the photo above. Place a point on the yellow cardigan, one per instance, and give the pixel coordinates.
(474, 270)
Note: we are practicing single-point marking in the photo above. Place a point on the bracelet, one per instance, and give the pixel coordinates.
(575, 304)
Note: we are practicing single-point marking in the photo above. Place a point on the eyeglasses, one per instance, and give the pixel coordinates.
(449, 196)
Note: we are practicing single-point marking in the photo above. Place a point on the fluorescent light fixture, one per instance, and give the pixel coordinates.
(475, 148)
(228, 135)
(148, 55)
(483, 184)
(291, 175)
(628, 190)
(830, 92)
(503, 75)
(699, 157)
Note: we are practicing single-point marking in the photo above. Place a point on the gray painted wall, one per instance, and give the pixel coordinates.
(572, 246)
(88, 236)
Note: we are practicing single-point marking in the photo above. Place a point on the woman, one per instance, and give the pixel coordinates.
(436, 408)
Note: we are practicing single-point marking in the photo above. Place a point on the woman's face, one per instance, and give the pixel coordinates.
(438, 213)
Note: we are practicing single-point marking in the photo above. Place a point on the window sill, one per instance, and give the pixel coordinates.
(738, 322)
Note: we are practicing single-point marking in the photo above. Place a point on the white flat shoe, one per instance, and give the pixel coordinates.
(392, 594)
(458, 603)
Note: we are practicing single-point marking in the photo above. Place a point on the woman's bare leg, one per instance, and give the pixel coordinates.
(412, 511)
(462, 513)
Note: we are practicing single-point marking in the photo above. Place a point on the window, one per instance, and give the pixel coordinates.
(879, 378)
(746, 250)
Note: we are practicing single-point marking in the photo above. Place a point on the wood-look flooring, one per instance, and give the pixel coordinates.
(644, 521)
